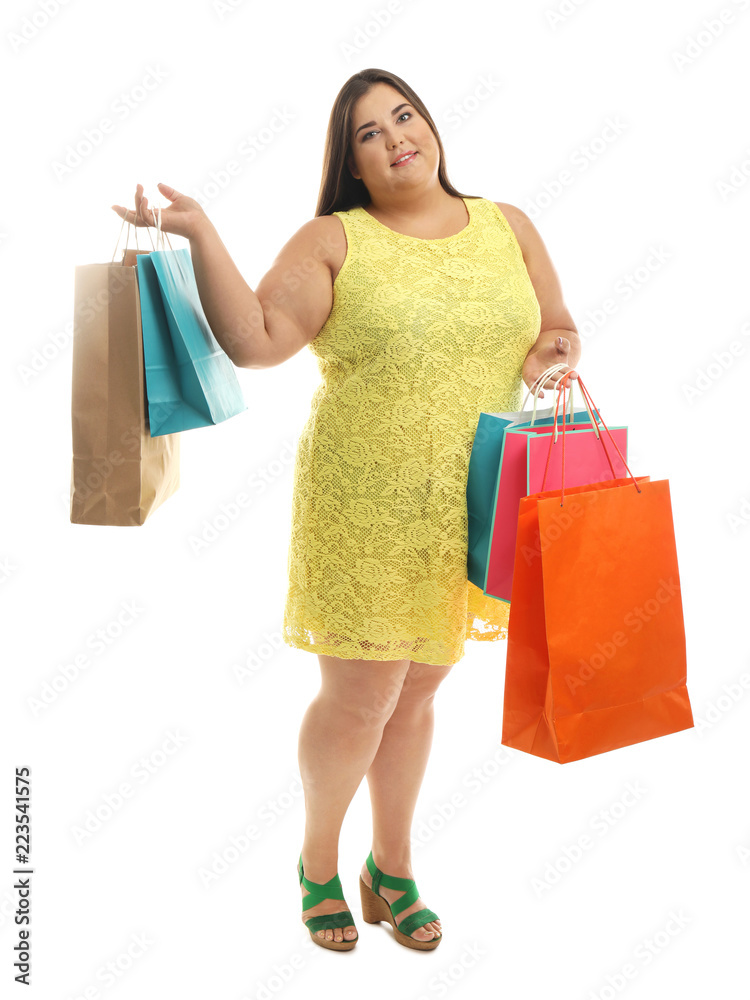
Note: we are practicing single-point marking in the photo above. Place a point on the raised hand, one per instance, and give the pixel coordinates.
(184, 217)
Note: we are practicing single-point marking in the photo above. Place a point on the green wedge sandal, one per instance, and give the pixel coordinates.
(318, 891)
(375, 907)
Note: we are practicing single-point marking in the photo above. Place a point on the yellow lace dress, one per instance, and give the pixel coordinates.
(422, 336)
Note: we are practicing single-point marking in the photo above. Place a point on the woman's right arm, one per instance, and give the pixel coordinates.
(262, 328)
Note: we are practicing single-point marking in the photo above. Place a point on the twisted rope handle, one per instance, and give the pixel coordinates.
(160, 234)
(127, 241)
(536, 388)
(538, 383)
(589, 406)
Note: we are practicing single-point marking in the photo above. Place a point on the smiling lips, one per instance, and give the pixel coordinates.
(405, 158)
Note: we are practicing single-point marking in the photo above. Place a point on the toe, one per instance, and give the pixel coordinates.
(423, 933)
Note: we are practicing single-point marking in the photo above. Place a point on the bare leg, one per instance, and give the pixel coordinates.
(395, 777)
(338, 740)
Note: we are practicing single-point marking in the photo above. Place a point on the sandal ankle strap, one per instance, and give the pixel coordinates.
(318, 891)
(406, 885)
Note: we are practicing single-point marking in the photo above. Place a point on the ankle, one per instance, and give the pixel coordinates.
(393, 860)
(319, 865)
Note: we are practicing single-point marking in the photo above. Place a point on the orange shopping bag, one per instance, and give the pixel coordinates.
(596, 654)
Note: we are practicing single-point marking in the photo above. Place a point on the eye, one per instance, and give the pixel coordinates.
(404, 114)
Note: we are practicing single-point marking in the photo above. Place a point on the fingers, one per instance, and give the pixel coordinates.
(142, 211)
(553, 382)
(130, 216)
(143, 215)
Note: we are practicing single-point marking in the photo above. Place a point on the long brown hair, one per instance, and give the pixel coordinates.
(339, 190)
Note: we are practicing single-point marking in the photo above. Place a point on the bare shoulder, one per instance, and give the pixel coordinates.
(323, 226)
(323, 238)
(522, 226)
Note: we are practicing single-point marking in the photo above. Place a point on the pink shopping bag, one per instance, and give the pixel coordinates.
(530, 463)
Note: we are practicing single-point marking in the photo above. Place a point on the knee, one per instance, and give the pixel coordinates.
(367, 699)
(420, 685)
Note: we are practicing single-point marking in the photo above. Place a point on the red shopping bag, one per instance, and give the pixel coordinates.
(596, 656)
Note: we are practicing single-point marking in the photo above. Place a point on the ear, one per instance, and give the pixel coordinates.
(352, 167)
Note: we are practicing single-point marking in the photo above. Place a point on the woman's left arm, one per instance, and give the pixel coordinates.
(558, 340)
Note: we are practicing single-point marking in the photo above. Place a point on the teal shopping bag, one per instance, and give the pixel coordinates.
(190, 381)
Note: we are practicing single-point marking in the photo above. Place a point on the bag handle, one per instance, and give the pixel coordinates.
(553, 440)
(539, 382)
(127, 241)
(589, 405)
(160, 234)
(536, 388)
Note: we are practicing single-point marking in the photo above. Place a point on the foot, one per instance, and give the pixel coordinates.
(430, 930)
(327, 906)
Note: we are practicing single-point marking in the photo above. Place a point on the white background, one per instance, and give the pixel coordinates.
(682, 847)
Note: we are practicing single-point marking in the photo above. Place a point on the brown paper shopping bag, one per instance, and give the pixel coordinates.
(120, 474)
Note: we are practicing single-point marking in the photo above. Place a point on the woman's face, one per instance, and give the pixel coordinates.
(384, 127)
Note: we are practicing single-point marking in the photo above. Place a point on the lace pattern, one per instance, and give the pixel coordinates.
(422, 336)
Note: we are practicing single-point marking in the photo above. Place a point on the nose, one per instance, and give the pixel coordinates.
(392, 139)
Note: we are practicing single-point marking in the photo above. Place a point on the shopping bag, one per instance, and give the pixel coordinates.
(120, 474)
(484, 468)
(596, 656)
(190, 381)
(528, 465)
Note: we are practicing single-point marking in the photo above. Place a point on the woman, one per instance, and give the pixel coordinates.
(423, 307)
